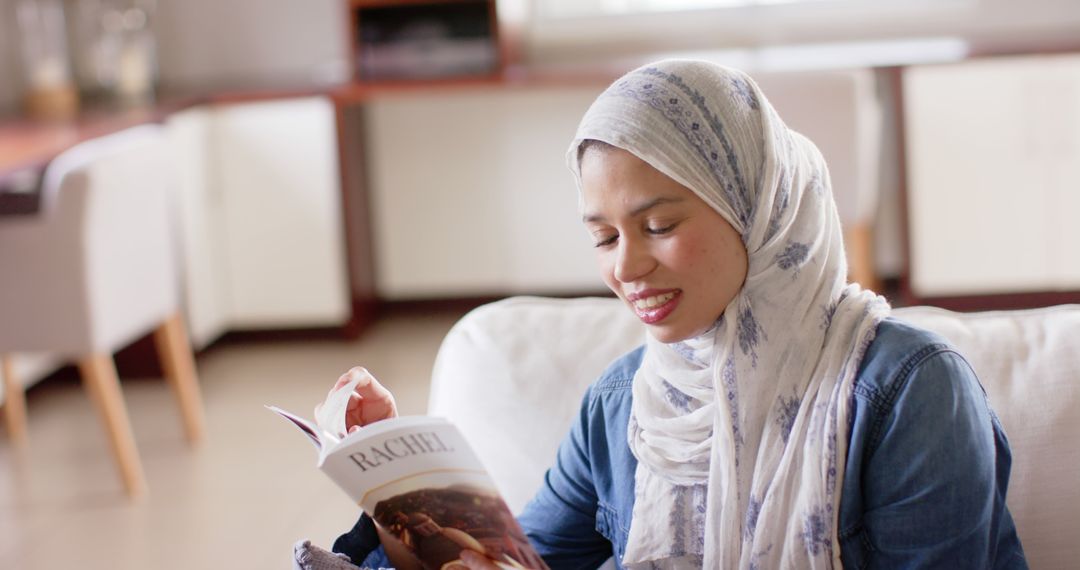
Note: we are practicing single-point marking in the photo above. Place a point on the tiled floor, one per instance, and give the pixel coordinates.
(238, 501)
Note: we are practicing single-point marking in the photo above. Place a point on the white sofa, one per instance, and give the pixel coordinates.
(511, 375)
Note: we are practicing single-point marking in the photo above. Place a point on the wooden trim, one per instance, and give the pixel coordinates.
(441, 305)
(356, 217)
(512, 77)
(352, 35)
(1001, 302)
(310, 334)
(896, 74)
(448, 304)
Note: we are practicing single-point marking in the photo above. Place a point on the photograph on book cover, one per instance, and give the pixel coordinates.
(431, 517)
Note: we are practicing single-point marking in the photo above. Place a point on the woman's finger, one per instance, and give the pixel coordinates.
(369, 388)
(477, 561)
(369, 402)
(355, 371)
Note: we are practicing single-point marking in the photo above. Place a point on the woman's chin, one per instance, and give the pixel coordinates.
(668, 334)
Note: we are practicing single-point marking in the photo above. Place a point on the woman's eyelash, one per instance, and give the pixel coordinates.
(606, 241)
(654, 231)
(663, 230)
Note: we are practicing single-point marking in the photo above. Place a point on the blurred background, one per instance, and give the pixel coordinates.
(248, 198)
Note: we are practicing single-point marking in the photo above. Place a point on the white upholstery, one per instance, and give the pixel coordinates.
(511, 375)
(96, 269)
(93, 271)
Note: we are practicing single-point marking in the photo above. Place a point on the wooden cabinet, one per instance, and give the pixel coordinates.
(197, 202)
(993, 155)
(276, 164)
(260, 209)
(471, 195)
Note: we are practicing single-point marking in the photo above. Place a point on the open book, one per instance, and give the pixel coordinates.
(423, 485)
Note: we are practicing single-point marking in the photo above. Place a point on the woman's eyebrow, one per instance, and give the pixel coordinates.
(637, 210)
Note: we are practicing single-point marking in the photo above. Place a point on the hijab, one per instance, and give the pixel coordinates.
(741, 433)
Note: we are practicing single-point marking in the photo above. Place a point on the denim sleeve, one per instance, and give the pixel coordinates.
(934, 485)
(560, 521)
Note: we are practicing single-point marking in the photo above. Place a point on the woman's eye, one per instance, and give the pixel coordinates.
(602, 241)
(661, 230)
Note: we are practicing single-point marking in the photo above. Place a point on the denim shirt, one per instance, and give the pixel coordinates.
(924, 486)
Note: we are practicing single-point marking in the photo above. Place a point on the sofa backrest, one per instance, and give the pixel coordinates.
(511, 375)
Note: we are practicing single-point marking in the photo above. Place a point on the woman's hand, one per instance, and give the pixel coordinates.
(369, 402)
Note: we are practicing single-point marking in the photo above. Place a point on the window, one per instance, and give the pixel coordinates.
(555, 9)
(587, 32)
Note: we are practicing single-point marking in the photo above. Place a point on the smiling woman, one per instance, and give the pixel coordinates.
(776, 416)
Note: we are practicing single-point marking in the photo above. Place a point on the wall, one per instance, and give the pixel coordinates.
(251, 41)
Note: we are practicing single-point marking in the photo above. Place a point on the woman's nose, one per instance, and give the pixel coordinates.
(632, 261)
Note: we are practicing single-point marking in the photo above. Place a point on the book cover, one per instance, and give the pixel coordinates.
(421, 482)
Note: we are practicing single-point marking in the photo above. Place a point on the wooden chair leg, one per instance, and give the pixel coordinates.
(98, 373)
(14, 401)
(174, 350)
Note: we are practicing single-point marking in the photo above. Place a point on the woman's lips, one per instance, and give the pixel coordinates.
(654, 306)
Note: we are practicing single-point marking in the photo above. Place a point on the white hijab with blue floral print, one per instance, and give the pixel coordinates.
(741, 433)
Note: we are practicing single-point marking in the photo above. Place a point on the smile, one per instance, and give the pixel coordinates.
(656, 300)
(653, 308)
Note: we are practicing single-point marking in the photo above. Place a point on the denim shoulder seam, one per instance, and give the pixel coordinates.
(883, 400)
(613, 384)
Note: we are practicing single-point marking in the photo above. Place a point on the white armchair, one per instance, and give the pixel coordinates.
(514, 371)
(94, 271)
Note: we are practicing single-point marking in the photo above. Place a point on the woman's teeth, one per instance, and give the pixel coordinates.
(655, 301)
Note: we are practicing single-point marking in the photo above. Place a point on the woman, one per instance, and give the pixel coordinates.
(776, 417)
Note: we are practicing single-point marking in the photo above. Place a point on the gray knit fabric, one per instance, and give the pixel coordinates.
(307, 556)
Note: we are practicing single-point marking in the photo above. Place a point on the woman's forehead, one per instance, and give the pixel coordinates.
(615, 180)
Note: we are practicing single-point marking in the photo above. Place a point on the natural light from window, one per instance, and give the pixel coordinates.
(576, 8)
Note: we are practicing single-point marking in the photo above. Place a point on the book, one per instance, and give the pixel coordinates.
(423, 485)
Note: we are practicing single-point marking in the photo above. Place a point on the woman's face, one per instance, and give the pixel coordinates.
(669, 256)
